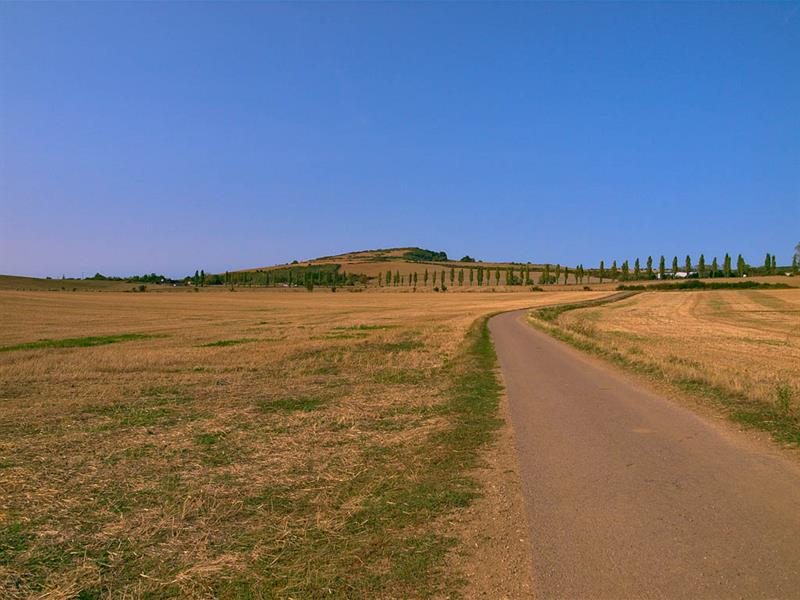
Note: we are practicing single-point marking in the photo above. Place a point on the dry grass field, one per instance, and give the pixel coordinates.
(739, 349)
(264, 443)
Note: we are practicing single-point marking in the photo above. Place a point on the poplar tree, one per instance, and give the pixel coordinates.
(625, 270)
(602, 270)
(726, 265)
(461, 277)
(545, 278)
(714, 267)
(613, 270)
(434, 278)
(688, 264)
(662, 267)
(425, 278)
(794, 264)
(767, 264)
(558, 272)
(740, 266)
(415, 279)
(674, 265)
(637, 271)
(774, 269)
(701, 265)
(441, 280)
(497, 276)
(566, 275)
(452, 276)
(471, 276)
(480, 276)
(380, 279)
(649, 267)
(388, 277)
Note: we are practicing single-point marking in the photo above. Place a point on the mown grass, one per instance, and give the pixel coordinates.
(776, 418)
(82, 342)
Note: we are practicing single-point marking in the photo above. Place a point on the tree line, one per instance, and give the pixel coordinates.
(687, 268)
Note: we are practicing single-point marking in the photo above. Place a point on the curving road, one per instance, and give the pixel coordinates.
(632, 496)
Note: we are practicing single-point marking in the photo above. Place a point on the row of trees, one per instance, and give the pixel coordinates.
(687, 269)
(479, 276)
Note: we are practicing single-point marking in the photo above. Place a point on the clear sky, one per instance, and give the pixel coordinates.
(169, 137)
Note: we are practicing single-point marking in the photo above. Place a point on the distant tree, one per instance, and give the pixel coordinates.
(309, 281)
(613, 274)
(662, 269)
(566, 275)
(497, 276)
(388, 277)
(740, 266)
(767, 264)
(461, 277)
(425, 278)
(637, 270)
(674, 265)
(195, 279)
(545, 274)
(602, 271)
(380, 279)
(480, 276)
(471, 276)
(701, 265)
(625, 271)
(714, 267)
(467, 258)
(415, 279)
(726, 265)
(452, 276)
(441, 281)
(688, 264)
(774, 269)
(557, 272)
(794, 264)
(434, 278)
(402, 280)
(397, 279)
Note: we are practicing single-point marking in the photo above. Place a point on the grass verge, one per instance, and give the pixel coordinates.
(696, 284)
(391, 544)
(777, 419)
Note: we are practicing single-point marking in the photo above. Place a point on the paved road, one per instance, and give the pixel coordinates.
(632, 496)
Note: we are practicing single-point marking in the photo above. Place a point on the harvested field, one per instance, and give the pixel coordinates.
(251, 444)
(739, 349)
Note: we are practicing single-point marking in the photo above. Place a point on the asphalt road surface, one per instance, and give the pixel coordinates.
(630, 495)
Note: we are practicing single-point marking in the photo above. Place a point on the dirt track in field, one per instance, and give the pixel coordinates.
(630, 495)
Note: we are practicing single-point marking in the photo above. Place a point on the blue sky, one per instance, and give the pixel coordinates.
(168, 137)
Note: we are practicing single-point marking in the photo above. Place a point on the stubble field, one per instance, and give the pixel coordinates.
(259, 444)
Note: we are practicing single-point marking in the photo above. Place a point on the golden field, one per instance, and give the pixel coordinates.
(257, 443)
(739, 348)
